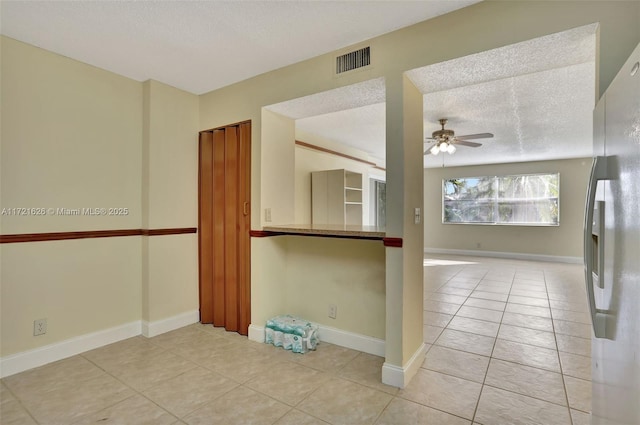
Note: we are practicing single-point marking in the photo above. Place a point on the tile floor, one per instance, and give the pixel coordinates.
(508, 344)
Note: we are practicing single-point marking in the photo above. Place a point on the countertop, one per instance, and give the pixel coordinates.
(353, 231)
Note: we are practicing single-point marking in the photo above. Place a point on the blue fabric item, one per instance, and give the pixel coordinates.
(289, 324)
(291, 333)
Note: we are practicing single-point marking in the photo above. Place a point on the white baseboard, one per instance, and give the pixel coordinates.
(25, 360)
(151, 329)
(510, 255)
(335, 336)
(256, 333)
(397, 376)
(359, 342)
(19, 362)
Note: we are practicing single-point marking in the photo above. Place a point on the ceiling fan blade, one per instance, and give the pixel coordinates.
(465, 143)
(428, 151)
(475, 136)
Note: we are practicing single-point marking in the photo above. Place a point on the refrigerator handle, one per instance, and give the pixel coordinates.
(598, 172)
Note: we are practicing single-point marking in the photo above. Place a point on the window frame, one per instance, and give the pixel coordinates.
(495, 201)
(374, 206)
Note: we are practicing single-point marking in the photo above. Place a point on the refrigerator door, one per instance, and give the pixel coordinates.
(616, 356)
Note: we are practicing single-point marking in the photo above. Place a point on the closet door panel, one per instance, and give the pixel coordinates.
(219, 228)
(205, 233)
(231, 228)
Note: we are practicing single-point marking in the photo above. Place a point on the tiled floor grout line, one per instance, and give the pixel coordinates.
(431, 407)
(329, 376)
(564, 383)
(447, 326)
(136, 392)
(171, 350)
(195, 365)
(475, 412)
(528, 396)
(386, 406)
(21, 404)
(244, 385)
(454, 314)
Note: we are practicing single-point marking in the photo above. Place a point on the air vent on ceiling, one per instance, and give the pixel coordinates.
(353, 60)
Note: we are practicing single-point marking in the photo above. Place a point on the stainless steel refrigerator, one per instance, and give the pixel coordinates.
(612, 250)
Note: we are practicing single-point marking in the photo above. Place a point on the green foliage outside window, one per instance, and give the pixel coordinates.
(529, 199)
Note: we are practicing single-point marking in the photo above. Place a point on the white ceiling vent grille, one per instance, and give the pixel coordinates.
(353, 60)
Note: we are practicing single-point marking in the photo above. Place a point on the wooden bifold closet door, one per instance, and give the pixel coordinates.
(224, 222)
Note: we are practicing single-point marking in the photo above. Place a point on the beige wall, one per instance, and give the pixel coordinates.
(170, 200)
(268, 263)
(564, 240)
(347, 273)
(278, 165)
(413, 289)
(75, 136)
(172, 283)
(71, 138)
(80, 286)
(171, 140)
(303, 275)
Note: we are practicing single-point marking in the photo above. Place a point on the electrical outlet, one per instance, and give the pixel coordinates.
(39, 327)
(267, 215)
(333, 311)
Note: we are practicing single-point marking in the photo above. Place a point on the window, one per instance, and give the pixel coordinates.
(378, 202)
(529, 199)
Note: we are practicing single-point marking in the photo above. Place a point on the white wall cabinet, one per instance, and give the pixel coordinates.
(336, 197)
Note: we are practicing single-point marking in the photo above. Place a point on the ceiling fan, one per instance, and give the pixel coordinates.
(446, 140)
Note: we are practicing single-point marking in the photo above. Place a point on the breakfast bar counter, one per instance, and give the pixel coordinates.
(329, 231)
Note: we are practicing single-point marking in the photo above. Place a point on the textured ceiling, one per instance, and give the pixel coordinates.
(352, 115)
(540, 116)
(199, 46)
(341, 99)
(536, 97)
(557, 50)
(362, 128)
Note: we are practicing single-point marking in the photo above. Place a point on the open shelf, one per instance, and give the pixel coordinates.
(336, 197)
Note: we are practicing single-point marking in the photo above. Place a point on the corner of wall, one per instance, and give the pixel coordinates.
(400, 377)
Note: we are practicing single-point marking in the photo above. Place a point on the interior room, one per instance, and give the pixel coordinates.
(536, 99)
(425, 315)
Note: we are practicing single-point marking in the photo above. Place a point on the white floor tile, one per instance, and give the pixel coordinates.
(493, 361)
(499, 407)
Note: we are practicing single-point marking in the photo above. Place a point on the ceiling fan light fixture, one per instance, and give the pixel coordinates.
(445, 140)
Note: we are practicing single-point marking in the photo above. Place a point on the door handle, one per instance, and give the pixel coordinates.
(245, 208)
(598, 172)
